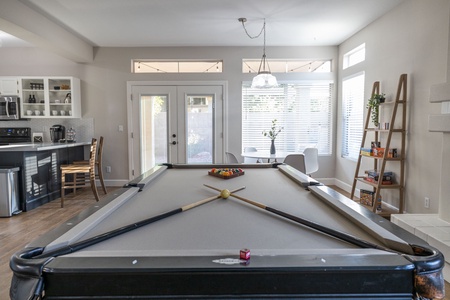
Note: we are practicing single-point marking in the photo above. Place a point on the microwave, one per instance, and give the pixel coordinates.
(9, 108)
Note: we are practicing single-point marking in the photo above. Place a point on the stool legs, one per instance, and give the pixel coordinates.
(63, 183)
(100, 176)
(94, 189)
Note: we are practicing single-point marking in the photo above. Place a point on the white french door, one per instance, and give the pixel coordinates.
(175, 124)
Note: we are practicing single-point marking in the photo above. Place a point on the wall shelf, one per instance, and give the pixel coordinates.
(381, 161)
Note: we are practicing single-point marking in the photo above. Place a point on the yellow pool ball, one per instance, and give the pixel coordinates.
(225, 194)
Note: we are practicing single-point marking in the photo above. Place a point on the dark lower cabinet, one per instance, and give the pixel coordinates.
(40, 175)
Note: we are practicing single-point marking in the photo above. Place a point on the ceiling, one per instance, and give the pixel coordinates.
(146, 23)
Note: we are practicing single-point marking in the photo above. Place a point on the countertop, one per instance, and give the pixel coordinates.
(24, 147)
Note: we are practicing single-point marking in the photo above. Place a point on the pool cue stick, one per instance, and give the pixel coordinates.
(118, 231)
(334, 233)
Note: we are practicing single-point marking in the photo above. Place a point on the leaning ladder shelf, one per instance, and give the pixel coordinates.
(380, 162)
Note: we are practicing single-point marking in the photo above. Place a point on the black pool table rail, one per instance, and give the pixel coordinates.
(147, 177)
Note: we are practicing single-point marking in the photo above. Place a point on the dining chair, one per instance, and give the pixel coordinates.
(296, 161)
(231, 158)
(251, 160)
(75, 169)
(98, 165)
(311, 160)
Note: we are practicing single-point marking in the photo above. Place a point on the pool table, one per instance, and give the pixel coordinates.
(190, 246)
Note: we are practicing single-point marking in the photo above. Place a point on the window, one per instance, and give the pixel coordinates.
(176, 66)
(352, 115)
(354, 56)
(302, 109)
(288, 66)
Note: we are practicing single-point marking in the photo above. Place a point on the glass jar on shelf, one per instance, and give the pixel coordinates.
(71, 135)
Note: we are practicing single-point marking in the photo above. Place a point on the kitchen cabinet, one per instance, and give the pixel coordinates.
(50, 97)
(9, 86)
(39, 179)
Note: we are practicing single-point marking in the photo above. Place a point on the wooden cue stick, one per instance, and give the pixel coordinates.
(118, 231)
(334, 233)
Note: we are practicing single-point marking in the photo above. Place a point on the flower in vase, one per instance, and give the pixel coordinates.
(274, 130)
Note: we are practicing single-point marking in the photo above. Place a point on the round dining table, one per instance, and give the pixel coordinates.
(266, 155)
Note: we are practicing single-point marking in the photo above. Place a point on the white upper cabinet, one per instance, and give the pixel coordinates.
(50, 97)
(9, 86)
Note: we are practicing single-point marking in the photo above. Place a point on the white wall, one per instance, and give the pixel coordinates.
(413, 38)
(104, 84)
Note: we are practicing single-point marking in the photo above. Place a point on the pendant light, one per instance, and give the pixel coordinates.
(264, 79)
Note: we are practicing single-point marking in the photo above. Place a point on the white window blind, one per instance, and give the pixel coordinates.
(352, 115)
(302, 109)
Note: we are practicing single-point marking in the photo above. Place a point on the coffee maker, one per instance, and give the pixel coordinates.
(57, 133)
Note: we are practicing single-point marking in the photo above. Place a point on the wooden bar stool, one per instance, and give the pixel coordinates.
(98, 164)
(85, 169)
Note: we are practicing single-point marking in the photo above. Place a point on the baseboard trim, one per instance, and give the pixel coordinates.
(113, 182)
(345, 186)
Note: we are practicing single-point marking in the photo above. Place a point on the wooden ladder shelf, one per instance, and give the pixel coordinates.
(380, 162)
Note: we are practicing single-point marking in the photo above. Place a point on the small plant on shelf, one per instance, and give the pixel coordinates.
(374, 104)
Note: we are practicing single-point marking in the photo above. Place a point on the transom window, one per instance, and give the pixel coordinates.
(302, 109)
(288, 66)
(176, 66)
(354, 56)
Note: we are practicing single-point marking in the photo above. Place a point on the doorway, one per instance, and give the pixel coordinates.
(174, 124)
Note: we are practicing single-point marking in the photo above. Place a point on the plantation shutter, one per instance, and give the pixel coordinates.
(303, 110)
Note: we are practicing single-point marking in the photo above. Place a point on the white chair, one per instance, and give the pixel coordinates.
(231, 158)
(296, 161)
(311, 160)
(250, 160)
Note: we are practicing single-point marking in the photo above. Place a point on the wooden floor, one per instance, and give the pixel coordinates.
(17, 231)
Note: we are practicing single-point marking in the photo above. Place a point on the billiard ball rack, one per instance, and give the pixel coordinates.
(226, 173)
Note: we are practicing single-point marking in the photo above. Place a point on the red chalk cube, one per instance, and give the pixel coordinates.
(244, 254)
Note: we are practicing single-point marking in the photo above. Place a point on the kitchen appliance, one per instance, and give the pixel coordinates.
(9, 108)
(14, 135)
(9, 193)
(57, 133)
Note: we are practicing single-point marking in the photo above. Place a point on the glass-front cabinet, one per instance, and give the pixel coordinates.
(50, 97)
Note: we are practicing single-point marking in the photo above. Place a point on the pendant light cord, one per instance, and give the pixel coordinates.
(243, 20)
(263, 29)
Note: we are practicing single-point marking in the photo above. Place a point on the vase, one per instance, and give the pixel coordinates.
(272, 147)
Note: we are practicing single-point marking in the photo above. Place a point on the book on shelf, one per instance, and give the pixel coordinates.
(384, 182)
(378, 152)
(393, 153)
(384, 177)
(375, 144)
(366, 151)
(377, 173)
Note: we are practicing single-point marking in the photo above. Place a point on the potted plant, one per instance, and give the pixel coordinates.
(272, 134)
(374, 104)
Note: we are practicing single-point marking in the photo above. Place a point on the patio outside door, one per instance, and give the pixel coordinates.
(175, 124)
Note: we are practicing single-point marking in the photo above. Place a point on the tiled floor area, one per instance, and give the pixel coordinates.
(429, 228)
